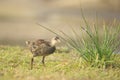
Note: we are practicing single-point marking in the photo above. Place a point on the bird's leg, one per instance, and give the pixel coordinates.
(43, 59)
(32, 60)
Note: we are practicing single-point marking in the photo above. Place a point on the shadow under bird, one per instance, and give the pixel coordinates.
(42, 47)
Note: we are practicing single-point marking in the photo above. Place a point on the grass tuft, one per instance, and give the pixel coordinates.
(98, 48)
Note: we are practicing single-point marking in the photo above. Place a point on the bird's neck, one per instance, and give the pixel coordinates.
(53, 43)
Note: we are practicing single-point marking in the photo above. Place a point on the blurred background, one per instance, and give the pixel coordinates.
(18, 18)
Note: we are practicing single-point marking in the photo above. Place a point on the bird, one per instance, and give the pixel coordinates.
(42, 48)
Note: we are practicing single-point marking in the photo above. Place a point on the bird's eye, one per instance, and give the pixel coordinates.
(56, 38)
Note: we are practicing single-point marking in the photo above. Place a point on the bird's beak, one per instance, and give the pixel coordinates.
(58, 40)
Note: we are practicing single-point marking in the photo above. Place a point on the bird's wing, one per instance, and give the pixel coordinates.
(45, 48)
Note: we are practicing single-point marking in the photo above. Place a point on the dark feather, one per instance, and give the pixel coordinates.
(41, 47)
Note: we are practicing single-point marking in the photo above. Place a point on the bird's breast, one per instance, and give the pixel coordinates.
(44, 51)
(49, 50)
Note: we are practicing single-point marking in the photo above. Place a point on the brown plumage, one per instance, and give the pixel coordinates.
(42, 47)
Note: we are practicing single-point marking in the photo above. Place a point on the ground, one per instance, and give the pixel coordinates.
(15, 65)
